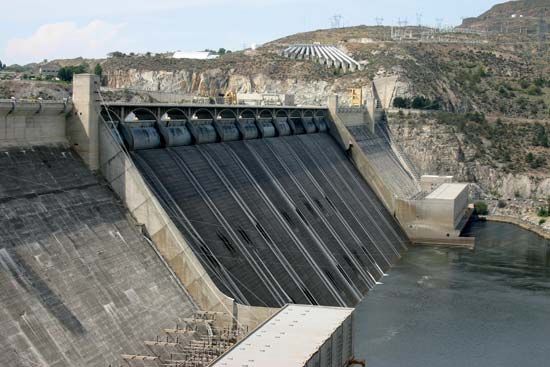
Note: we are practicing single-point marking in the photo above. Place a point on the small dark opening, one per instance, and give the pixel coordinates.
(302, 216)
(262, 231)
(348, 261)
(319, 204)
(309, 207)
(244, 235)
(286, 216)
(309, 296)
(331, 278)
(358, 257)
(227, 243)
(330, 203)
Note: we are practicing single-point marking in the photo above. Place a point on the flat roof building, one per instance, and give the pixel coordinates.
(296, 336)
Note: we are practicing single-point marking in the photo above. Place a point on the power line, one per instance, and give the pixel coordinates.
(379, 21)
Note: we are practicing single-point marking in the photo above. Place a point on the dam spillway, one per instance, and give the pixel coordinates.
(393, 167)
(275, 220)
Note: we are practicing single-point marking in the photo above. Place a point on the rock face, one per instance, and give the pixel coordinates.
(23, 89)
(214, 81)
(436, 148)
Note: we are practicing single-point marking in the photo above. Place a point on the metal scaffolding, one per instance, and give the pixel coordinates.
(194, 343)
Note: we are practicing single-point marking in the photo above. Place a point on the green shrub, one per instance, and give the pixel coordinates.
(542, 221)
(481, 208)
(533, 90)
(400, 102)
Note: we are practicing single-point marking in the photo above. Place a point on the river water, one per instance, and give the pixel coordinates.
(443, 307)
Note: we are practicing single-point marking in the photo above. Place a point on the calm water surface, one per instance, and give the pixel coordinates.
(443, 307)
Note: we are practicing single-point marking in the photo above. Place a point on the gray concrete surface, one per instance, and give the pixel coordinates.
(79, 285)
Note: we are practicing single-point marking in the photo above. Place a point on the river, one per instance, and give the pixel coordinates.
(441, 307)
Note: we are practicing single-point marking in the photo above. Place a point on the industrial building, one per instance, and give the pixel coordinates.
(328, 331)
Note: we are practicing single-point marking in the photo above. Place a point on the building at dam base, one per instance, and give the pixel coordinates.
(328, 332)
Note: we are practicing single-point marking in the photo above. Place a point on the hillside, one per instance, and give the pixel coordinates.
(512, 17)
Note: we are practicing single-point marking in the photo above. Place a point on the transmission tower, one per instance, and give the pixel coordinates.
(379, 21)
(402, 23)
(336, 21)
(419, 19)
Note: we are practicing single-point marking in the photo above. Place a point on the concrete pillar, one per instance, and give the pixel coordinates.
(83, 125)
(333, 104)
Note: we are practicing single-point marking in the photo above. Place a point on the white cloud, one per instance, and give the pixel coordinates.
(66, 40)
(23, 10)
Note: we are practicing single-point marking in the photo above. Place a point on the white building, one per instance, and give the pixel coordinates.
(197, 55)
(296, 336)
(50, 69)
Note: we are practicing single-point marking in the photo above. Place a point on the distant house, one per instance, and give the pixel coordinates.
(49, 69)
(198, 55)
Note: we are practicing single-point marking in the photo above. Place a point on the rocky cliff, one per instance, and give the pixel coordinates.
(498, 161)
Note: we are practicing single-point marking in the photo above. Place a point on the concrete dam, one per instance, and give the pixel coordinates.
(277, 220)
(77, 278)
(162, 234)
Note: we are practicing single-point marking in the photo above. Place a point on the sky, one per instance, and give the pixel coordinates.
(34, 30)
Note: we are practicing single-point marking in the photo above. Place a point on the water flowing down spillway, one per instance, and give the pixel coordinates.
(277, 220)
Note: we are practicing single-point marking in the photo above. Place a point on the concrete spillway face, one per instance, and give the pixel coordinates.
(140, 135)
(285, 219)
(79, 284)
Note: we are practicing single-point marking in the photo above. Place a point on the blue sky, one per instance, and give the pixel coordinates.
(32, 30)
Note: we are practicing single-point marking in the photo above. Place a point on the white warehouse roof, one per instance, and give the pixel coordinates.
(199, 55)
(289, 338)
(447, 191)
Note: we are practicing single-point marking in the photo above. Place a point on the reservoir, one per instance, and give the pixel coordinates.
(454, 307)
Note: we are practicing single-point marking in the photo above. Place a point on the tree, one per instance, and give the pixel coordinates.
(116, 54)
(2, 66)
(541, 138)
(222, 51)
(66, 73)
(481, 208)
(400, 102)
(98, 70)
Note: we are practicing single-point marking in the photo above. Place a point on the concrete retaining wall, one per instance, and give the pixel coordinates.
(127, 182)
(26, 123)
